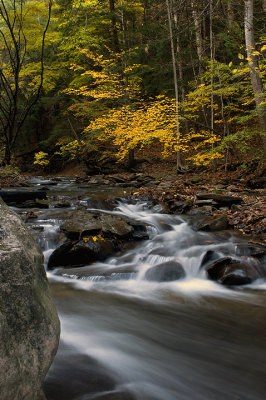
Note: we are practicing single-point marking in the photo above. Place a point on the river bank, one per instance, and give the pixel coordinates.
(244, 211)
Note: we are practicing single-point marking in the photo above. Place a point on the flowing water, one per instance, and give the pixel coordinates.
(124, 337)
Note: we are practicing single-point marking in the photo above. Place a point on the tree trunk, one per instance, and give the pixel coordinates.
(7, 158)
(131, 158)
(113, 26)
(180, 63)
(178, 155)
(212, 69)
(197, 23)
(230, 14)
(256, 81)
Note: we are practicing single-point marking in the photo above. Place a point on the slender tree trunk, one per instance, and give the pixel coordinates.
(230, 14)
(179, 58)
(180, 64)
(212, 69)
(178, 154)
(7, 157)
(114, 27)
(197, 23)
(256, 81)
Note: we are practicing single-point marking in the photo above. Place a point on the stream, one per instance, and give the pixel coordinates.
(124, 337)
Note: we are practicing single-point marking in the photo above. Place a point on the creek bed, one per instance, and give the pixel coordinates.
(124, 337)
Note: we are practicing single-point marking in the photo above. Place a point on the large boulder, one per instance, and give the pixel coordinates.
(228, 271)
(81, 252)
(165, 272)
(29, 325)
(85, 223)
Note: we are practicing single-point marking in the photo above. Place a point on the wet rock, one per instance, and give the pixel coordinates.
(82, 252)
(117, 179)
(82, 223)
(250, 250)
(62, 204)
(208, 257)
(204, 210)
(207, 202)
(180, 207)
(139, 230)
(160, 251)
(165, 272)
(228, 271)
(18, 197)
(30, 204)
(99, 271)
(220, 199)
(29, 325)
(212, 224)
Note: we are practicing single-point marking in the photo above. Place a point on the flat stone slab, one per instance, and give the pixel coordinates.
(221, 199)
(21, 196)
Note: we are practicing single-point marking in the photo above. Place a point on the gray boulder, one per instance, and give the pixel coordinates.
(29, 325)
(81, 223)
(165, 272)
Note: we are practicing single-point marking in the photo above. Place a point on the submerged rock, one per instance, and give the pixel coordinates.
(29, 325)
(76, 376)
(165, 272)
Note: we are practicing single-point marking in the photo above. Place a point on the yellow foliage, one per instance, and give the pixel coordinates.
(41, 159)
(129, 127)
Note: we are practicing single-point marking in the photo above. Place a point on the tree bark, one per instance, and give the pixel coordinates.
(230, 14)
(113, 26)
(256, 81)
(178, 153)
(197, 23)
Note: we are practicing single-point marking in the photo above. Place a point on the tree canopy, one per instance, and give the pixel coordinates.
(188, 75)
